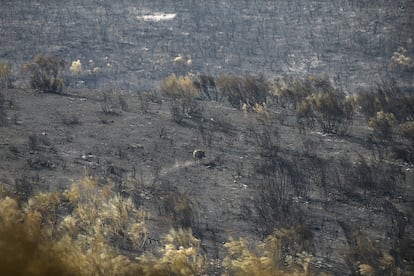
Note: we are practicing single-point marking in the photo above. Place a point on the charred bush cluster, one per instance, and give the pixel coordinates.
(44, 73)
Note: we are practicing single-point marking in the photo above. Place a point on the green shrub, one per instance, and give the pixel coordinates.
(44, 72)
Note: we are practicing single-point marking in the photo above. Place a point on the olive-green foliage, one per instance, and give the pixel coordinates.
(180, 256)
(44, 72)
(364, 258)
(388, 108)
(291, 91)
(383, 124)
(5, 74)
(178, 210)
(405, 150)
(183, 94)
(387, 98)
(179, 87)
(265, 259)
(35, 240)
(248, 90)
(24, 249)
(407, 131)
(316, 101)
(331, 110)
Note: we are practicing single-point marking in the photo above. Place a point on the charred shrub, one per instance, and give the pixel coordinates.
(364, 257)
(178, 210)
(109, 105)
(407, 132)
(38, 142)
(367, 180)
(406, 150)
(383, 125)
(315, 101)
(44, 71)
(208, 88)
(70, 120)
(387, 98)
(290, 91)
(331, 110)
(3, 114)
(273, 202)
(247, 90)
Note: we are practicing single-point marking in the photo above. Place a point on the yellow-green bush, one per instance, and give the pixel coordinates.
(179, 87)
(5, 74)
(183, 94)
(315, 100)
(34, 240)
(179, 256)
(291, 91)
(265, 259)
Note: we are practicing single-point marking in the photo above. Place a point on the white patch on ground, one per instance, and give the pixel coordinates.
(177, 166)
(158, 16)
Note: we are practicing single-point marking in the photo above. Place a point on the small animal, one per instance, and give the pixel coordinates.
(198, 155)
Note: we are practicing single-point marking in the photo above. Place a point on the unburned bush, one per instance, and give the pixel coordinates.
(179, 87)
(265, 258)
(183, 94)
